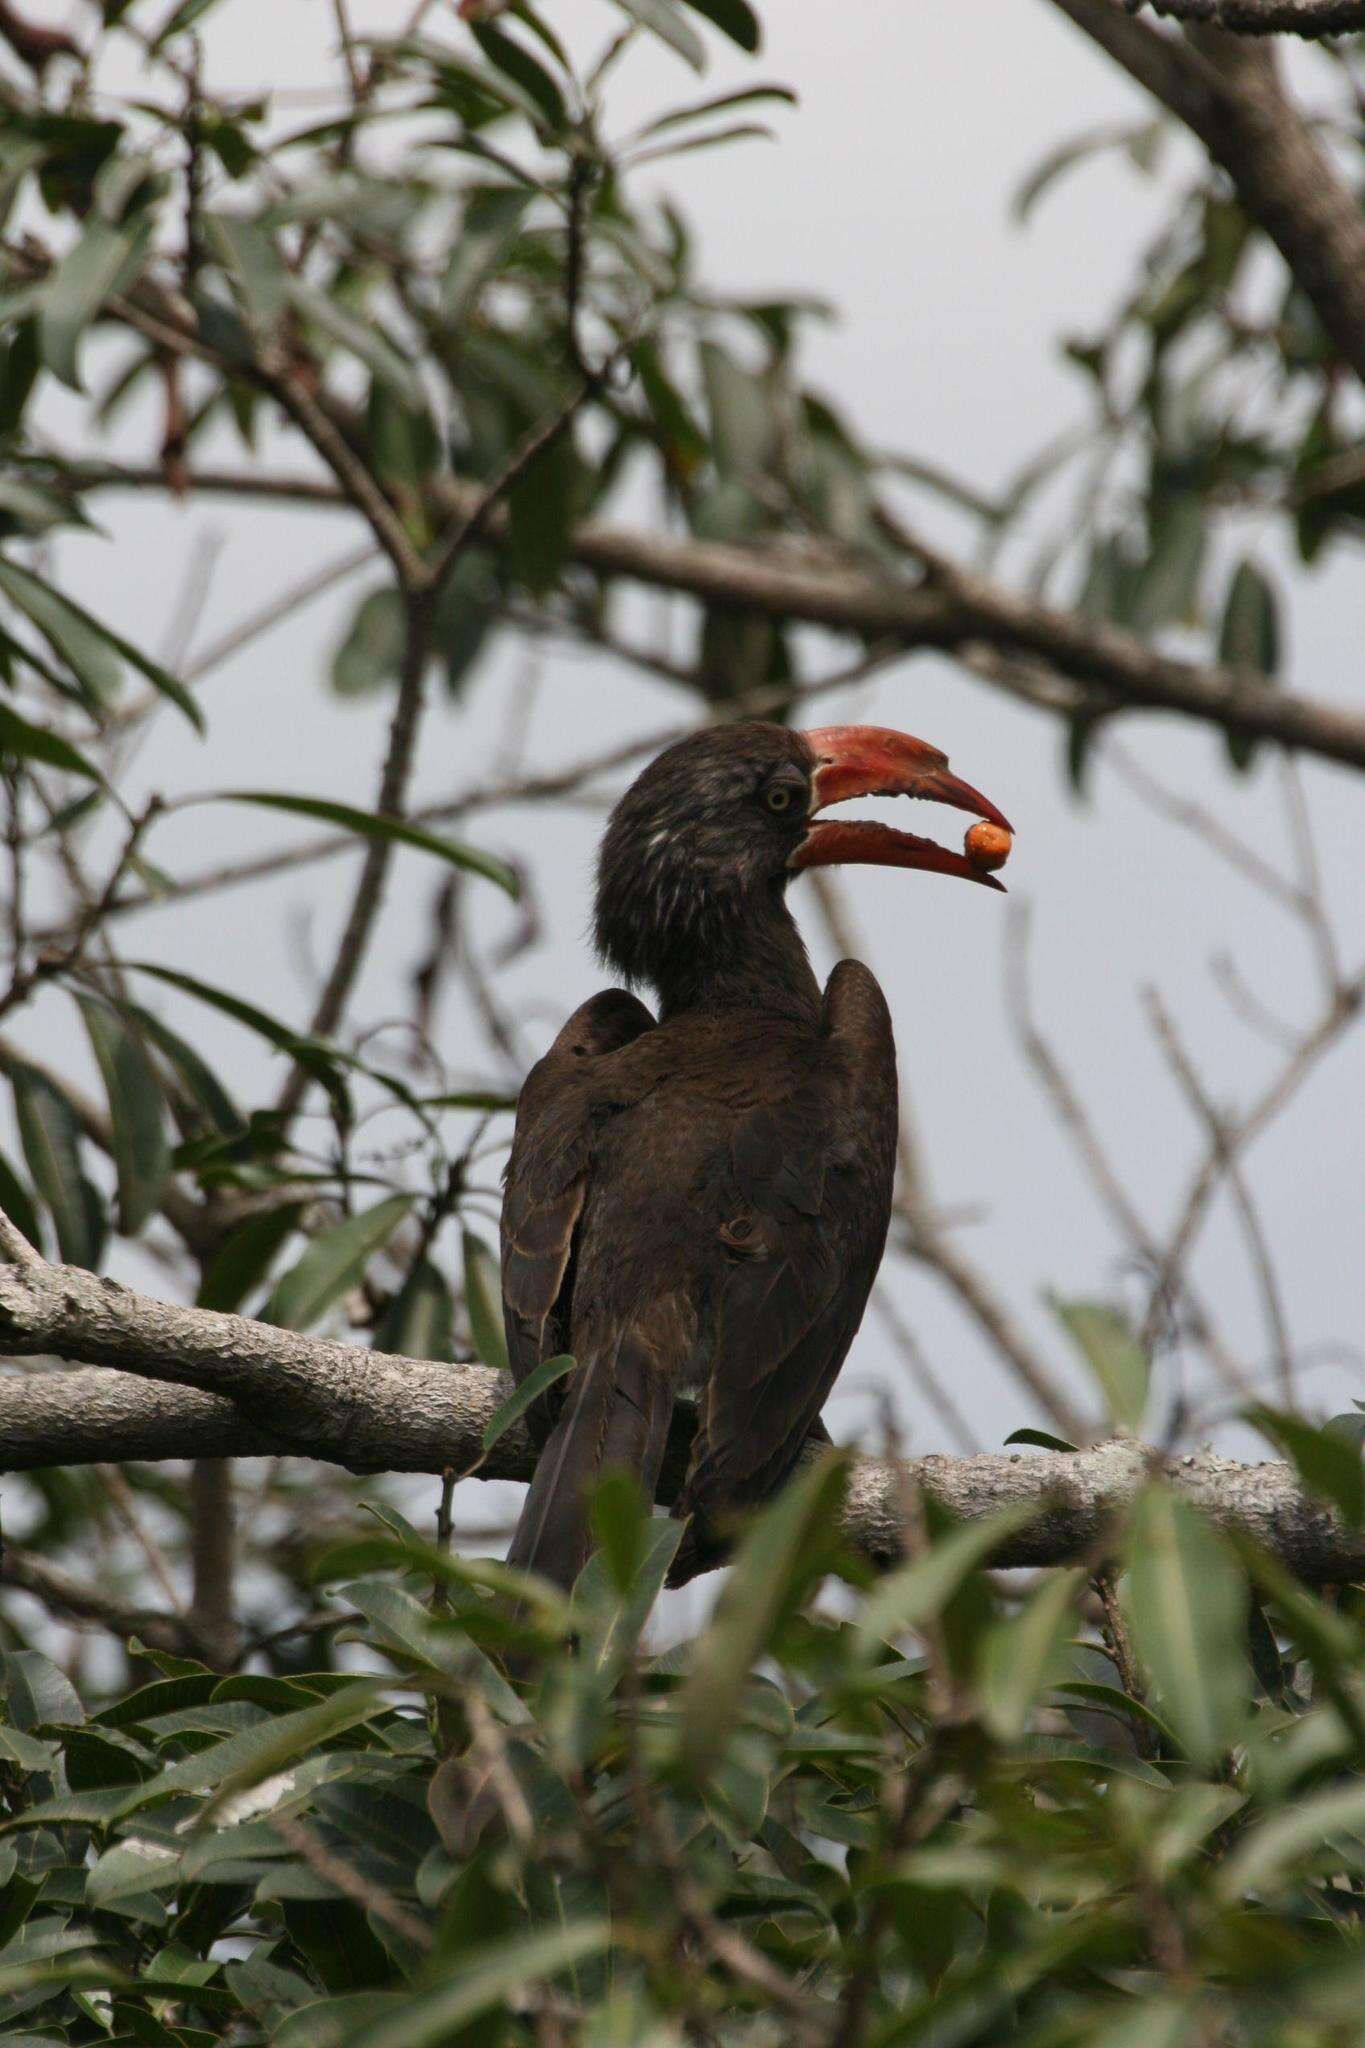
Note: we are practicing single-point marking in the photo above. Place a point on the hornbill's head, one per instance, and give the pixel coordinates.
(717, 825)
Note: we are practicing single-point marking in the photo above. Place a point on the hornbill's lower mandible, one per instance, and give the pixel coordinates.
(699, 1204)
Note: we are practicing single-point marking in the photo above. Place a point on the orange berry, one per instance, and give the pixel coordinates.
(987, 846)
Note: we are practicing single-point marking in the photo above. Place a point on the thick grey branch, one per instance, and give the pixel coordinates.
(371, 1412)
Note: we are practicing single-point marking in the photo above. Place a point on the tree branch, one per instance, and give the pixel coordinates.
(957, 614)
(369, 1411)
(1228, 92)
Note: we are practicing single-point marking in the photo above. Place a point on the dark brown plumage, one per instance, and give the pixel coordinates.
(699, 1204)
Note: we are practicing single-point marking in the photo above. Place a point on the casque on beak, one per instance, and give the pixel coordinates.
(874, 760)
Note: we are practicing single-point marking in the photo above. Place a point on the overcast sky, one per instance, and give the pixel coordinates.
(888, 194)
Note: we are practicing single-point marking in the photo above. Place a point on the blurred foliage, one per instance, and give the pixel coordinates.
(923, 1813)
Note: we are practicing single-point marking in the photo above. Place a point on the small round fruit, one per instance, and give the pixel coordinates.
(987, 846)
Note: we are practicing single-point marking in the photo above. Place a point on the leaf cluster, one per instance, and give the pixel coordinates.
(924, 1810)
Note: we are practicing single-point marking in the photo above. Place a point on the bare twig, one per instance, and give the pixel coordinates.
(1240, 1132)
(1222, 1149)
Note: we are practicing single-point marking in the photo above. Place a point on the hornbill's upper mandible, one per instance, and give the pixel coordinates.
(699, 1204)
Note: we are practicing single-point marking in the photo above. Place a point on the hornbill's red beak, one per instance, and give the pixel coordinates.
(873, 760)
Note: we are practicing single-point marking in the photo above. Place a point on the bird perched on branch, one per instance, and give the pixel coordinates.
(698, 1203)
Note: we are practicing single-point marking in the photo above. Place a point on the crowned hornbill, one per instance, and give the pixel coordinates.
(699, 1204)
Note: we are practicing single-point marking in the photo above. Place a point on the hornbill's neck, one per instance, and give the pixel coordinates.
(756, 961)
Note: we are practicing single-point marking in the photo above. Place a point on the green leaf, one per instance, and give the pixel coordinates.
(516, 63)
(90, 274)
(178, 20)
(483, 1301)
(1249, 638)
(1041, 1438)
(1113, 1354)
(362, 338)
(1185, 1595)
(18, 1205)
(486, 1979)
(200, 1082)
(129, 1869)
(253, 261)
(1169, 582)
(92, 650)
(370, 825)
(312, 1056)
(333, 2022)
(1327, 1461)
(243, 1760)
(372, 651)
(420, 1320)
(333, 1262)
(1289, 1845)
(734, 18)
(667, 21)
(718, 103)
(1066, 157)
(532, 1387)
(1020, 1657)
(34, 743)
(540, 513)
(917, 1592)
(51, 1138)
(37, 1694)
(785, 1546)
(244, 1258)
(137, 1110)
(743, 426)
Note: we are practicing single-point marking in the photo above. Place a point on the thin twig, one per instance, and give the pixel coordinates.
(1221, 1147)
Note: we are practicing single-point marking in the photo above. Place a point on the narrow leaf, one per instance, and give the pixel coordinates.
(93, 649)
(485, 1981)
(245, 1258)
(1186, 1599)
(483, 1302)
(1249, 638)
(734, 18)
(362, 338)
(1021, 1656)
(309, 1054)
(18, 1205)
(91, 273)
(333, 1262)
(35, 743)
(532, 1387)
(51, 1139)
(198, 1079)
(137, 1110)
(1113, 1354)
(1041, 1438)
(517, 63)
(1328, 1461)
(371, 825)
(663, 19)
(784, 1547)
(420, 1320)
(918, 1591)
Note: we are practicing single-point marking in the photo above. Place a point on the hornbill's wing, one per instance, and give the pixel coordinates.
(546, 1181)
(807, 1191)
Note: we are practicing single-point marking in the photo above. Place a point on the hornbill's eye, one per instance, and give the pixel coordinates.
(777, 797)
